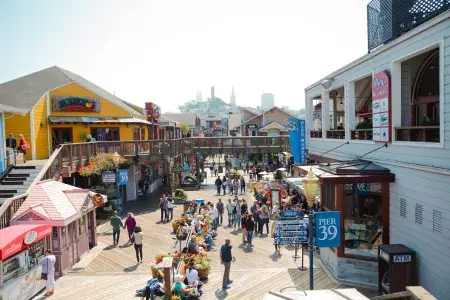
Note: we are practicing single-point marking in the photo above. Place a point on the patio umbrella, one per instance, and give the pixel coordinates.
(281, 169)
(263, 173)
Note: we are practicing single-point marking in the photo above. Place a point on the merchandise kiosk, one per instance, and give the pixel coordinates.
(396, 268)
(21, 249)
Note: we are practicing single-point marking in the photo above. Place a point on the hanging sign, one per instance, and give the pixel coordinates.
(178, 169)
(123, 177)
(291, 227)
(76, 104)
(302, 141)
(328, 229)
(291, 240)
(381, 114)
(362, 188)
(109, 177)
(291, 222)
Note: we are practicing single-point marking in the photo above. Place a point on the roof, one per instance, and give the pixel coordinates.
(275, 107)
(54, 202)
(98, 120)
(27, 90)
(163, 120)
(14, 239)
(11, 109)
(135, 107)
(272, 125)
(186, 118)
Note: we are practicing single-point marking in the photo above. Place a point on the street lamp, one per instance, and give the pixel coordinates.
(116, 160)
(310, 187)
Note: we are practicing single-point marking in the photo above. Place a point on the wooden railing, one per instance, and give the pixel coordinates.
(68, 157)
(315, 134)
(362, 134)
(426, 134)
(336, 134)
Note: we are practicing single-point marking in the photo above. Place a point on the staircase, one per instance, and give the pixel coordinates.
(17, 181)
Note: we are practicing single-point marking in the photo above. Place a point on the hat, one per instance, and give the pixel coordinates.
(177, 278)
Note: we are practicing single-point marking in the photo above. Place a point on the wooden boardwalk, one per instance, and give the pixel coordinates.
(113, 272)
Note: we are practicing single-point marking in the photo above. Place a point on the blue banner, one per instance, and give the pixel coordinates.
(297, 138)
(302, 127)
(123, 177)
(328, 229)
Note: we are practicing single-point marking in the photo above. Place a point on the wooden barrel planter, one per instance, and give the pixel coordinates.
(175, 227)
(203, 273)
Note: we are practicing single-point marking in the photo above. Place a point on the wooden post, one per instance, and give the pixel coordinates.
(385, 203)
(339, 190)
(167, 265)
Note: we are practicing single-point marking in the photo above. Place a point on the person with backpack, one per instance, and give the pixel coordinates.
(163, 206)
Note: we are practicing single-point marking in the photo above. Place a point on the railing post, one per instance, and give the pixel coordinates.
(80, 155)
(70, 156)
(136, 148)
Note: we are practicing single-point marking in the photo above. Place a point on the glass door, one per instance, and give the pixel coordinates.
(61, 136)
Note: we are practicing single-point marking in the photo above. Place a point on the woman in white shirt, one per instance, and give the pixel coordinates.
(138, 239)
(170, 208)
(214, 217)
(192, 278)
(48, 267)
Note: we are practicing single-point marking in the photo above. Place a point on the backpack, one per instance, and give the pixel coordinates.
(235, 209)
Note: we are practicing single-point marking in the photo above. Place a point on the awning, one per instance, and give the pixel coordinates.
(14, 239)
(97, 120)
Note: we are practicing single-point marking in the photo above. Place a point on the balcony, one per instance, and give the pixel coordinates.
(336, 134)
(428, 134)
(315, 134)
(388, 19)
(361, 134)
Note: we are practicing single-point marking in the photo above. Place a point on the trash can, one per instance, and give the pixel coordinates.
(220, 169)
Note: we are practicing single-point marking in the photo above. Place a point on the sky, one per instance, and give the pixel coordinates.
(165, 51)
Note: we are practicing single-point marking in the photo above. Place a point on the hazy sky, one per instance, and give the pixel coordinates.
(165, 51)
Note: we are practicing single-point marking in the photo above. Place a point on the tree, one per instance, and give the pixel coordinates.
(184, 128)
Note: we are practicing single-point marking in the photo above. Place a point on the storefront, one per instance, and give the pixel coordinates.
(359, 190)
(21, 249)
(71, 213)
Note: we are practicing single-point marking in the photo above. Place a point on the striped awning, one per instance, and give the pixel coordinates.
(97, 120)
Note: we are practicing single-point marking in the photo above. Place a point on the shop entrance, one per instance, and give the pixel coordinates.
(61, 136)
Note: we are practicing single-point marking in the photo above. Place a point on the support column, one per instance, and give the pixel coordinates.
(93, 228)
(385, 211)
(339, 190)
(325, 113)
(335, 113)
(350, 103)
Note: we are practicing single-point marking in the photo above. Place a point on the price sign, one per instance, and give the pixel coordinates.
(109, 177)
(123, 177)
(291, 222)
(291, 227)
(290, 240)
(290, 233)
(328, 229)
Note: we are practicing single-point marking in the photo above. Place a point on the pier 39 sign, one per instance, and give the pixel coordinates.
(328, 229)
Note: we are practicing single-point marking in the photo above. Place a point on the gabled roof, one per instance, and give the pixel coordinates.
(54, 201)
(25, 92)
(11, 109)
(272, 125)
(275, 107)
(186, 118)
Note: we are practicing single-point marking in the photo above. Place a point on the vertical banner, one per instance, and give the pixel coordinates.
(295, 138)
(381, 117)
(302, 126)
(225, 126)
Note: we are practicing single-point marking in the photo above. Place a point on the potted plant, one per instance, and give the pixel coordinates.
(202, 265)
(364, 124)
(176, 223)
(279, 175)
(179, 196)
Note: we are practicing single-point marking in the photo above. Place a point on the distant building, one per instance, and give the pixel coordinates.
(267, 101)
(232, 98)
(198, 97)
(269, 123)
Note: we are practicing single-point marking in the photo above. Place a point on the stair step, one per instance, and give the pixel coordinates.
(16, 179)
(11, 183)
(24, 167)
(8, 191)
(6, 196)
(18, 175)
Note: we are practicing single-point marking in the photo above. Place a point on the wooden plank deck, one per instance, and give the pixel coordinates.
(114, 274)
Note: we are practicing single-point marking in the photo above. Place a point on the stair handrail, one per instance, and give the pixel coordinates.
(6, 206)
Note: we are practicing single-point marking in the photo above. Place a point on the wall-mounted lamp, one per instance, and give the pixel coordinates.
(86, 125)
(326, 84)
(128, 125)
(42, 125)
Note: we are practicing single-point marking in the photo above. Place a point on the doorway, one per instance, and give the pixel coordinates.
(61, 136)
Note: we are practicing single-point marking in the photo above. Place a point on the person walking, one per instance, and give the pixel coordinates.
(230, 185)
(218, 185)
(254, 211)
(214, 216)
(220, 210)
(225, 259)
(169, 208)
(244, 227)
(224, 184)
(48, 268)
(130, 224)
(263, 219)
(237, 215)
(244, 207)
(116, 224)
(163, 207)
(138, 238)
(277, 246)
(23, 147)
(242, 185)
(230, 212)
(216, 169)
(250, 226)
(11, 142)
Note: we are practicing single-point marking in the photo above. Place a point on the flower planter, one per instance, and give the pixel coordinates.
(203, 273)
(154, 273)
(175, 227)
(178, 200)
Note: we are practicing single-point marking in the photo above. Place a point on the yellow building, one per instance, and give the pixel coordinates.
(64, 107)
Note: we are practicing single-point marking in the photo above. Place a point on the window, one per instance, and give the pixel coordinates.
(316, 125)
(402, 207)
(64, 236)
(437, 220)
(362, 220)
(82, 225)
(362, 106)
(420, 97)
(328, 199)
(336, 114)
(55, 244)
(105, 134)
(419, 214)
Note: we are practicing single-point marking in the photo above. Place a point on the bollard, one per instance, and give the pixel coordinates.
(167, 266)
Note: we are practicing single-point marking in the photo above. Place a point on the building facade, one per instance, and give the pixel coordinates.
(267, 101)
(388, 110)
(270, 122)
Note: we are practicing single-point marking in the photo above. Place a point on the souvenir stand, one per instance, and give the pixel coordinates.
(270, 192)
(21, 249)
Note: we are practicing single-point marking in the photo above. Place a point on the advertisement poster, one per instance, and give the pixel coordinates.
(381, 107)
(225, 126)
(24, 287)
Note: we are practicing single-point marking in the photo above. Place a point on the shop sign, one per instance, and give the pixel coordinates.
(381, 114)
(401, 258)
(123, 177)
(225, 126)
(384, 255)
(156, 113)
(362, 188)
(328, 229)
(291, 240)
(252, 126)
(291, 227)
(178, 169)
(291, 222)
(101, 189)
(24, 287)
(109, 177)
(290, 213)
(76, 104)
(30, 237)
(97, 200)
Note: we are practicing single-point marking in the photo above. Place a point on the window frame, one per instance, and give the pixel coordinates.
(396, 111)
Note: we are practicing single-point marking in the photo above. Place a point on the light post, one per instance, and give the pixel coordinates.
(310, 187)
(116, 160)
